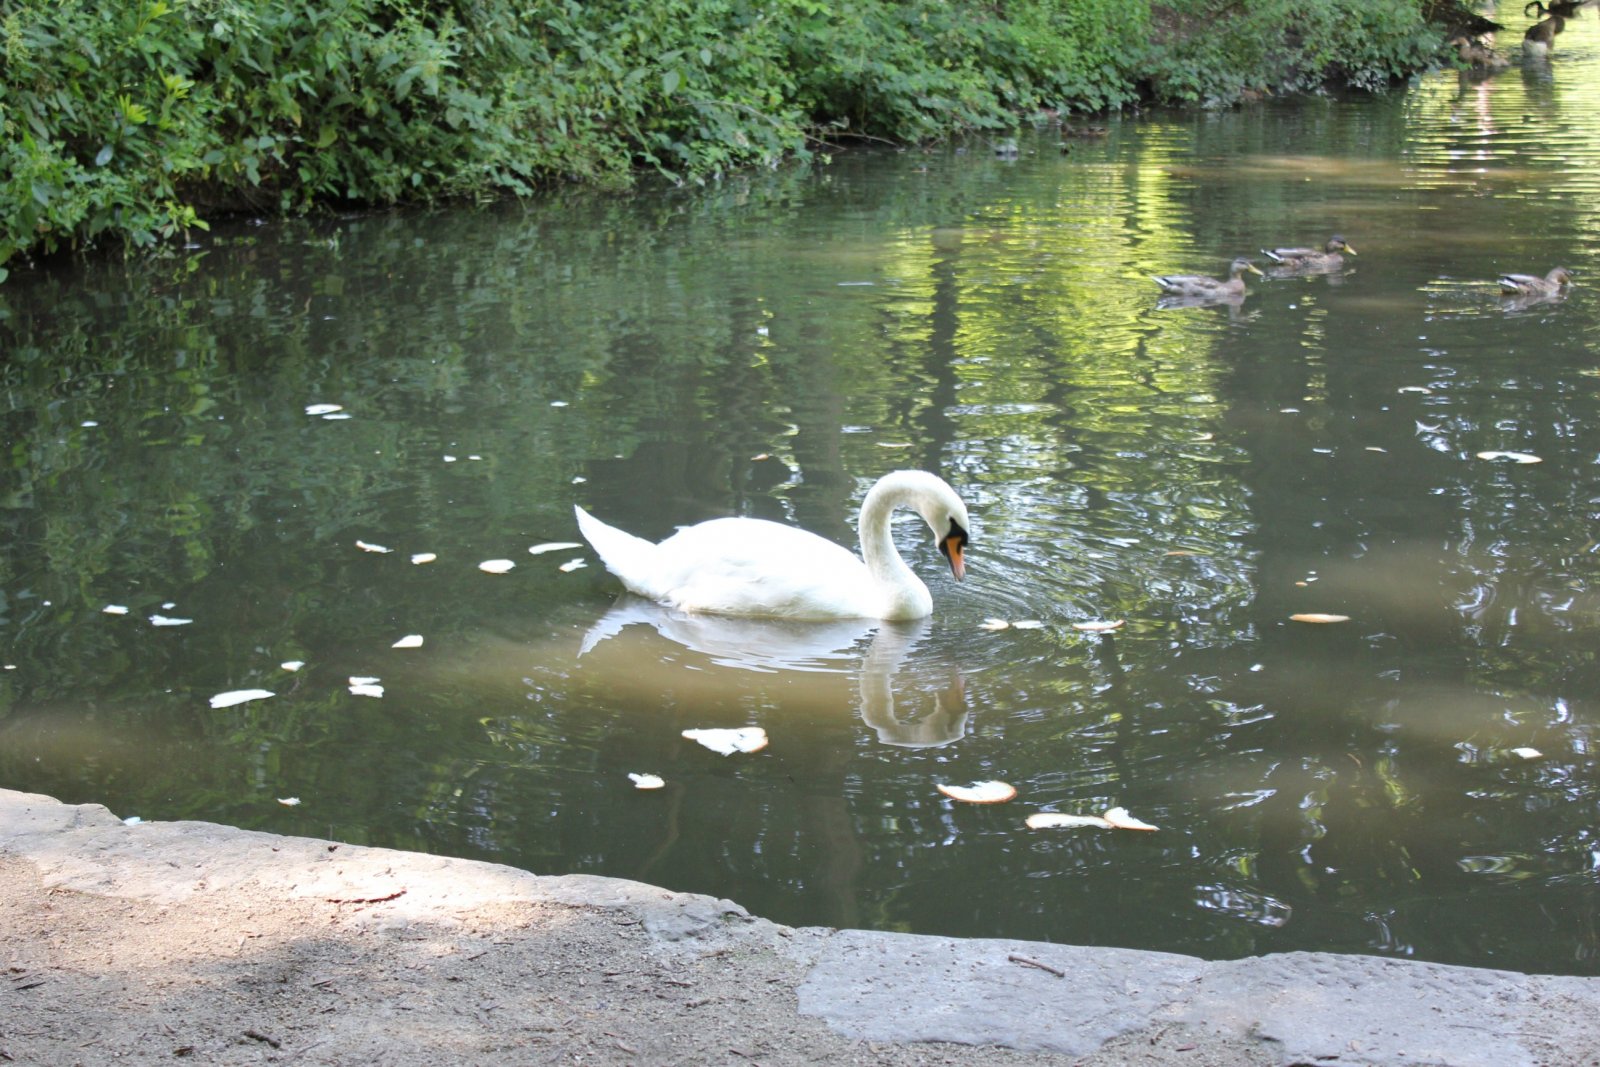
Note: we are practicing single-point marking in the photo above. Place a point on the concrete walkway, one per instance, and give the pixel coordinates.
(139, 944)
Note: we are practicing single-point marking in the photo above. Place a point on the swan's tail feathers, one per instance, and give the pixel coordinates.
(628, 557)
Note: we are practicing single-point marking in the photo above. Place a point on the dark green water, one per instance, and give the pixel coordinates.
(770, 346)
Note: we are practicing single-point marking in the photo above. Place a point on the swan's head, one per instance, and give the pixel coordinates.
(946, 516)
(929, 496)
(953, 544)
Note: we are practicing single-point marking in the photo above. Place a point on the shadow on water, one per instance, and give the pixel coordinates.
(304, 439)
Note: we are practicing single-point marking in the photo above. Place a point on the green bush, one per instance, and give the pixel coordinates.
(1212, 51)
(138, 119)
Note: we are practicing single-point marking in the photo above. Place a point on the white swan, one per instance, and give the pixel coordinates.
(756, 567)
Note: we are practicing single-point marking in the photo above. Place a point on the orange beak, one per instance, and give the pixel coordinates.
(952, 549)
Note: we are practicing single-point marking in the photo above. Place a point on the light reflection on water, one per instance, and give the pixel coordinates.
(768, 348)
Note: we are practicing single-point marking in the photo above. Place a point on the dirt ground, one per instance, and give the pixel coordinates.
(194, 942)
(186, 941)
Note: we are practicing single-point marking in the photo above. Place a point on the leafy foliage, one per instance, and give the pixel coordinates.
(1214, 51)
(138, 118)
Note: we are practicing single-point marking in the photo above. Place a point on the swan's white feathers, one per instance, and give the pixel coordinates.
(623, 554)
(754, 567)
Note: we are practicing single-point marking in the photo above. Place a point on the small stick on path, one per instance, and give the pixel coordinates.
(1029, 962)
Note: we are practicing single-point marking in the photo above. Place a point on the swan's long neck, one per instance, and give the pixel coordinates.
(907, 595)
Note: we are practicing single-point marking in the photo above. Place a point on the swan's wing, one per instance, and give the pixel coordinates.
(756, 567)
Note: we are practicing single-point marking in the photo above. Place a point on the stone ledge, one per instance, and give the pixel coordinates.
(673, 977)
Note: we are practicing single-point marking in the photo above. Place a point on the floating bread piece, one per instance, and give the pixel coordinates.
(367, 546)
(365, 687)
(994, 624)
(1527, 753)
(1055, 820)
(1099, 626)
(1119, 819)
(408, 641)
(496, 566)
(647, 781)
(423, 557)
(1317, 616)
(991, 792)
(552, 546)
(239, 696)
(727, 742)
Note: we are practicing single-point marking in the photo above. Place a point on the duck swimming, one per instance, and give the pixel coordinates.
(1200, 285)
(1552, 284)
(1540, 38)
(753, 567)
(1329, 257)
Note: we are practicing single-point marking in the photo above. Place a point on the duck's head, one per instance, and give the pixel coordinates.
(1336, 243)
(1561, 276)
(1239, 266)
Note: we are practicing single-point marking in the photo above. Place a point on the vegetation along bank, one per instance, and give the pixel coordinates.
(135, 120)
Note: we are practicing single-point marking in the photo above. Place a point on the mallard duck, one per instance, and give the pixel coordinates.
(1541, 36)
(752, 567)
(1329, 257)
(1478, 55)
(1203, 286)
(1564, 8)
(1553, 284)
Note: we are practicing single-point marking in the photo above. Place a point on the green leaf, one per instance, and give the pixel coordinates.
(102, 157)
(669, 82)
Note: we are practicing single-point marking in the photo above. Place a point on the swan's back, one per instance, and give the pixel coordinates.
(739, 566)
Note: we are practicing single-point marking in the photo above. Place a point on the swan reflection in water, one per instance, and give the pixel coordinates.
(776, 646)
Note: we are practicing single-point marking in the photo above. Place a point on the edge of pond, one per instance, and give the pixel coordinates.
(140, 943)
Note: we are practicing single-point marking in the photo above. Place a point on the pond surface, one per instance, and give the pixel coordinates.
(1420, 780)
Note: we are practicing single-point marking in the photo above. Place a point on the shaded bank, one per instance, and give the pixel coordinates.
(137, 122)
(172, 940)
